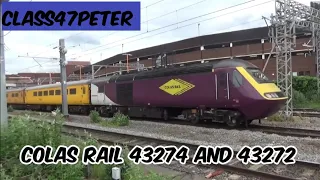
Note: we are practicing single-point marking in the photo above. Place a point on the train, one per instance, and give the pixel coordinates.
(231, 91)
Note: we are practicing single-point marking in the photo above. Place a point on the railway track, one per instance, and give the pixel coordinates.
(306, 112)
(283, 131)
(287, 131)
(234, 167)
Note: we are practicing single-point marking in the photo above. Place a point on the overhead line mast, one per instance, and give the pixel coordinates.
(291, 15)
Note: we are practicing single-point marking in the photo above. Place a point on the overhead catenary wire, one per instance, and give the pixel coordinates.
(152, 4)
(144, 38)
(177, 27)
(233, 6)
(171, 12)
(248, 22)
(172, 29)
(7, 33)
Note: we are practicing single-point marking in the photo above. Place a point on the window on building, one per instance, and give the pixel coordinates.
(58, 92)
(307, 73)
(35, 94)
(51, 92)
(45, 93)
(73, 91)
(39, 93)
(300, 73)
(236, 79)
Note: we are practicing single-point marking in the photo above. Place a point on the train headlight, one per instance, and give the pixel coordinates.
(271, 95)
(268, 95)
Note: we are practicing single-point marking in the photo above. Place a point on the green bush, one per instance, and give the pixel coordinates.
(21, 132)
(305, 92)
(10, 109)
(298, 98)
(95, 117)
(118, 119)
(304, 84)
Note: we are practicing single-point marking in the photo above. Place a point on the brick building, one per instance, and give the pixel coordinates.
(250, 44)
(32, 79)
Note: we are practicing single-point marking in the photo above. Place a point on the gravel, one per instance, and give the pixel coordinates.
(308, 148)
(302, 123)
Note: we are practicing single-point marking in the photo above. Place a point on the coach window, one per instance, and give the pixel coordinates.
(84, 90)
(236, 79)
(35, 94)
(51, 92)
(12, 95)
(45, 93)
(58, 92)
(40, 93)
(73, 91)
(17, 95)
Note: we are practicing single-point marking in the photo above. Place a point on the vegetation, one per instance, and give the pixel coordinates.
(23, 132)
(305, 94)
(10, 109)
(117, 120)
(95, 117)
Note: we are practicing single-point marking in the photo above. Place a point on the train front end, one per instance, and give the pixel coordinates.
(264, 97)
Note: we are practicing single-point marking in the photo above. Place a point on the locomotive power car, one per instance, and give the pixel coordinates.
(232, 91)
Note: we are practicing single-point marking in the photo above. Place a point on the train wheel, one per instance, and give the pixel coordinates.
(165, 115)
(232, 121)
(194, 119)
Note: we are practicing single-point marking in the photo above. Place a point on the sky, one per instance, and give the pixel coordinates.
(162, 21)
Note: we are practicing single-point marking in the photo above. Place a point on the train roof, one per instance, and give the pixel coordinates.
(15, 89)
(58, 84)
(179, 70)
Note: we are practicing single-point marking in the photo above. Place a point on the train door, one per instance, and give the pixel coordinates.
(222, 87)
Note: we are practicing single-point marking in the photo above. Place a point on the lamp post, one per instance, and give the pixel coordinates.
(81, 66)
(127, 60)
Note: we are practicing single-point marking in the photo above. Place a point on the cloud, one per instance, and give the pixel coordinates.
(96, 45)
(84, 39)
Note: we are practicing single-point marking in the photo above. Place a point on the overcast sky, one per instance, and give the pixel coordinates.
(161, 28)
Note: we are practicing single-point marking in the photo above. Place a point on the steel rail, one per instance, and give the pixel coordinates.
(283, 131)
(131, 140)
(193, 147)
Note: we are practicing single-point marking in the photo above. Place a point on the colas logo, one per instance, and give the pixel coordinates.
(176, 87)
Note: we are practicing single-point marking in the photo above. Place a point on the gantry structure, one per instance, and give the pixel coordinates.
(289, 16)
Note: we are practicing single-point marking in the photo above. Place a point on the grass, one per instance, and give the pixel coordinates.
(23, 132)
(117, 120)
(278, 118)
